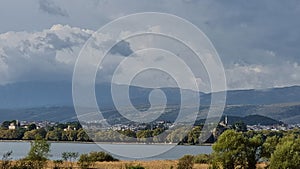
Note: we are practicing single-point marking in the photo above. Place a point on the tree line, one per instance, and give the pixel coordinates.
(243, 150)
(70, 131)
(39, 153)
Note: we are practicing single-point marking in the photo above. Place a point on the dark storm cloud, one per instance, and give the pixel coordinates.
(50, 7)
(122, 48)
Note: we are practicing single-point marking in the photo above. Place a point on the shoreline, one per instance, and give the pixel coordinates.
(129, 143)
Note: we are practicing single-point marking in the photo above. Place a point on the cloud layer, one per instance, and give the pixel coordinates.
(51, 8)
(258, 41)
(50, 55)
(40, 56)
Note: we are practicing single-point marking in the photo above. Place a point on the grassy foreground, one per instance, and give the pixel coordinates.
(155, 164)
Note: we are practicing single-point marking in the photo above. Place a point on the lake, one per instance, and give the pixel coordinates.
(20, 150)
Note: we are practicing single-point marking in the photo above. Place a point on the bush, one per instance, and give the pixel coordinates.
(57, 164)
(26, 164)
(134, 167)
(6, 160)
(186, 162)
(202, 159)
(101, 156)
(86, 160)
(38, 154)
(286, 154)
(70, 157)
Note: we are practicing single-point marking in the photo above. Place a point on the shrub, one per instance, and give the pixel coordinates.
(57, 164)
(286, 154)
(70, 157)
(6, 160)
(202, 159)
(101, 156)
(186, 162)
(26, 164)
(38, 154)
(86, 160)
(134, 167)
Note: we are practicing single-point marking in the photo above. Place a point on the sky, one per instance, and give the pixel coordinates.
(258, 41)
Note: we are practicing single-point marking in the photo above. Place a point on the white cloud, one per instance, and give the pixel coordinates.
(263, 76)
(50, 55)
(46, 55)
(257, 41)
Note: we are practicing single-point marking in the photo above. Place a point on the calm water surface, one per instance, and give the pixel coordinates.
(20, 149)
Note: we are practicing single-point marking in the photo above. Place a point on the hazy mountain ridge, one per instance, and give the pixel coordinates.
(39, 94)
(53, 101)
(287, 113)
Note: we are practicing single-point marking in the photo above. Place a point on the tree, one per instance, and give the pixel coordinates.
(269, 147)
(186, 162)
(31, 127)
(70, 135)
(193, 136)
(30, 135)
(253, 153)
(6, 160)
(5, 124)
(70, 157)
(101, 156)
(54, 135)
(234, 149)
(39, 152)
(82, 136)
(239, 126)
(85, 161)
(286, 154)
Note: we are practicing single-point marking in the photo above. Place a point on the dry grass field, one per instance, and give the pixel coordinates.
(157, 164)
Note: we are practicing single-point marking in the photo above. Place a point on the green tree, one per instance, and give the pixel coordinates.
(193, 136)
(178, 134)
(11, 134)
(39, 152)
(239, 126)
(144, 135)
(269, 147)
(31, 134)
(5, 124)
(101, 156)
(70, 135)
(82, 136)
(70, 157)
(54, 135)
(31, 127)
(234, 149)
(186, 162)
(85, 161)
(286, 154)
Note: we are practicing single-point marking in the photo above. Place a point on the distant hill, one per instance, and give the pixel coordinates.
(286, 112)
(259, 97)
(39, 94)
(251, 114)
(53, 101)
(248, 120)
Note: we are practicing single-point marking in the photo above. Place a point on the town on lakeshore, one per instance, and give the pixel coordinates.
(140, 132)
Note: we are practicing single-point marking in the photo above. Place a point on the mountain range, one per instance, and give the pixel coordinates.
(53, 101)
